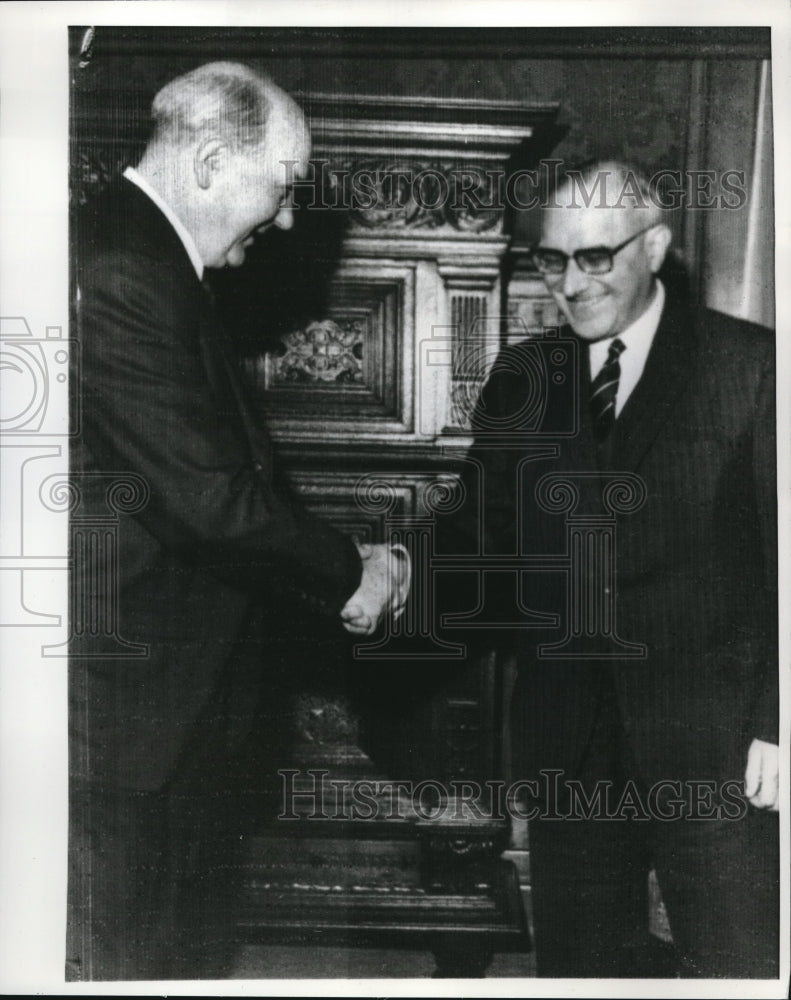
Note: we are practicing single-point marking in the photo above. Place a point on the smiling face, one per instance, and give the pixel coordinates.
(251, 187)
(602, 305)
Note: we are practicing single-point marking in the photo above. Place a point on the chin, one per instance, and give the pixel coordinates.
(235, 256)
(593, 329)
(591, 333)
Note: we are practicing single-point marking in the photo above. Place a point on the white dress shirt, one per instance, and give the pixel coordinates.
(637, 340)
(183, 233)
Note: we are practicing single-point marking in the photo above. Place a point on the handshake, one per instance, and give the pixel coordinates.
(383, 589)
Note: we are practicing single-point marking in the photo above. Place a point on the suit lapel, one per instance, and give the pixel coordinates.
(578, 458)
(668, 368)
(227, 384)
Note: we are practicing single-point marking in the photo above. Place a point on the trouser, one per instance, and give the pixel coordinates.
(150, 886)
(719, 880)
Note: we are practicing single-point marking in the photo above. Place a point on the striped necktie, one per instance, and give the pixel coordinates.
(604, 389)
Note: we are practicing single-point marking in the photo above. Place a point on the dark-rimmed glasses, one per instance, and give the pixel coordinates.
(591, 260)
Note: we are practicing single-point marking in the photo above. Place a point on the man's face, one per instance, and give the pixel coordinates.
(601, 305)
(256, 187)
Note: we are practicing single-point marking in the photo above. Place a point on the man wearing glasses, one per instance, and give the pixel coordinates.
(636, 760)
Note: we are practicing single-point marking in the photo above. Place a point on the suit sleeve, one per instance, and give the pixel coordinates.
(149, 408)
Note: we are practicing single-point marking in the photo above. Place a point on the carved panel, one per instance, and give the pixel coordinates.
(343, 364)
(343, 372)
(415, 194)
(326, 352)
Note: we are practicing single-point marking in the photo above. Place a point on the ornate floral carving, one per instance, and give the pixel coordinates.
(324, 721)
(92, 169)
(419, 194)
(326, 351)
(464, 393)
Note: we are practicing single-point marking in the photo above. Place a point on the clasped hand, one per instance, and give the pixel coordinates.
(383, 588)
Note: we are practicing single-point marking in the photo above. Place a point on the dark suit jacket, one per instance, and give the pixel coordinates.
(696, 564)
(219, 539)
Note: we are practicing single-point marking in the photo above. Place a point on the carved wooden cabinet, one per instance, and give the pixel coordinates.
(370, 402)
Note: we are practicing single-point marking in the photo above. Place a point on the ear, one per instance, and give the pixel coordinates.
(656, 243)
(208, 161)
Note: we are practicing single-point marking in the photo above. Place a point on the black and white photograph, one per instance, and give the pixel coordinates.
(395, 514)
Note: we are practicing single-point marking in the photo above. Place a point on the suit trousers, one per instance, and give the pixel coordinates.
(719, 878)
(150, 887)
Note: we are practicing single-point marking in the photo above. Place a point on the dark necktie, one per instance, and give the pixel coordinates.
(604, 389)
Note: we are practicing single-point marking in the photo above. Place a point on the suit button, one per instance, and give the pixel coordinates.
(257, 467)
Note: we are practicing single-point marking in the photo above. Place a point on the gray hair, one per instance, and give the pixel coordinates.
(227, 98)
(610, 182)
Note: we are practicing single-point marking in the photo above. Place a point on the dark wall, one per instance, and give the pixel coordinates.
(633, 107)
(637, 108)
(624, 92)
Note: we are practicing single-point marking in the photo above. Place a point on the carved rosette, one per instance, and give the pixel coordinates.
(325, 351)
(320, 721)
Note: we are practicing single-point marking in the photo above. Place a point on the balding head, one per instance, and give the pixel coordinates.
(227, 99)
(227, 144)
(605, 205)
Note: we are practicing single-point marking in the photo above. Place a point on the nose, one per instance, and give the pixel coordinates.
(284, 218)
(574, 279)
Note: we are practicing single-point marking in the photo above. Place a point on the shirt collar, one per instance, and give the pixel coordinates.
(637, 338)
(183, 233)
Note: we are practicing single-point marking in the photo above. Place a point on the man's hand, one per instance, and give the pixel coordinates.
(762, 775)
(383, 589)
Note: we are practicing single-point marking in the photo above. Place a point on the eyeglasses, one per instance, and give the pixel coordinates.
(591, 260)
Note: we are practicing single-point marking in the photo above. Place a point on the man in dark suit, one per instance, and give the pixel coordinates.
(663, 694)
(216, 550)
